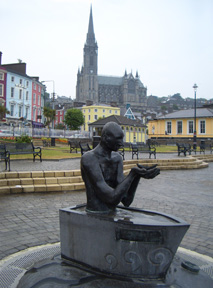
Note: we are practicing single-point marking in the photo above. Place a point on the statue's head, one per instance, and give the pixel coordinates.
(112, 136)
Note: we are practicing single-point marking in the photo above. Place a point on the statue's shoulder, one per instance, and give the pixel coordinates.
(87, 157)
(117, 156)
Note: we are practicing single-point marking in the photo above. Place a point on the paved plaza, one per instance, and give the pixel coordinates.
(32, 219)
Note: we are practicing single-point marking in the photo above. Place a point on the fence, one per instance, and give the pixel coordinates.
(42, 132)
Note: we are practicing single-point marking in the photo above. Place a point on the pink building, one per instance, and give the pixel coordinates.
(36, 113)
(3, 81)
(59, 116)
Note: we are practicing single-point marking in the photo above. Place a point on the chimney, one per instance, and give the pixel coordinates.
(0, 57)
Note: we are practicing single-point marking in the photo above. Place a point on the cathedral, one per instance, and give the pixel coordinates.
(117, 91)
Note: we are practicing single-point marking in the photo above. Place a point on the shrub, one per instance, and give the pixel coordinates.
(24, 139)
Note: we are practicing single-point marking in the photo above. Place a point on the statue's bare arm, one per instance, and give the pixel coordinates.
(107, 194)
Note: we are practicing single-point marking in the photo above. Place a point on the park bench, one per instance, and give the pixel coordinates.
(24, 148)
(4, 155)
(84, 147)
(121, 151)
(143, 148)
(125, 147)
(73, 146)
(184, 148)
(46, 143)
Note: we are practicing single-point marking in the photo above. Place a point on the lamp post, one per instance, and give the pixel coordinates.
(53, 104)
(195, 131)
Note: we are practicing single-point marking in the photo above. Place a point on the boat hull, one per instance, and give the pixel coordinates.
(129, 243)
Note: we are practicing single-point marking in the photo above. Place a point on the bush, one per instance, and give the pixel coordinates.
(24, 139)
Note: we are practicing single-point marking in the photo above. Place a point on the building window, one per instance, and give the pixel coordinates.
(96, 110)
(169, 127)
(34, 86)
(20, 81)
(11, 109)
(202, 126)
(19, 111)
(26, 113)
(38, 99)
(88, 117)
(190, 127)
(96, 117)
(110, 111)
(34, 98)
(1, 90)
(27, 95)
(103, 110)
(27, 83)
(1, 76)
(179, 127)
(12, 92)
(20, 94)
(116, 112)
(12, 79)
(34, 114)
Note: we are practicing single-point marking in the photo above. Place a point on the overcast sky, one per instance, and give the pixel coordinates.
(169, 42)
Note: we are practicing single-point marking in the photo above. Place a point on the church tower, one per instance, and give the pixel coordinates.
(87, 81)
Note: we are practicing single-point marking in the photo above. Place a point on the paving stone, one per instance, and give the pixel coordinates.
(26, 181)
(25, 174)
(39, 181)
(37, 174)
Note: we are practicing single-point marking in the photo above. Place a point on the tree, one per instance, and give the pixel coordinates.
(175, 107)
(3, 111)
(49, 114)
(60, 126)
(74, 118)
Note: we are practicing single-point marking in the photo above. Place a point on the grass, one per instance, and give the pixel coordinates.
(51, 153)
(62, 152)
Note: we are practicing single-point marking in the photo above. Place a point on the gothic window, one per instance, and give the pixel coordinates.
(131, 86)
(91, 60)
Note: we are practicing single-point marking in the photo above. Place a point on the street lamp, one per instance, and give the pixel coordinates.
(53, 105)
(195, 131)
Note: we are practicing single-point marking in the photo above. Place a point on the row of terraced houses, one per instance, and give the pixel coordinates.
(22, 95)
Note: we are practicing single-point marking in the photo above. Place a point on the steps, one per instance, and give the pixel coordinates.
(204, 157)
(71, 180)
(40, 181)
(169, 164)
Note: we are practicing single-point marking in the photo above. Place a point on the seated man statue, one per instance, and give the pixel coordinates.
(102, 172)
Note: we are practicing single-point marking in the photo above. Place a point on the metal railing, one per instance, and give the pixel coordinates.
(42, 132)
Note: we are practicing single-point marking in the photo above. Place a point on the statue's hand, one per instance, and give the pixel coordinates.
(146, 172)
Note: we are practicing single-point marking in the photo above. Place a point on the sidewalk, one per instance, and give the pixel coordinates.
(32, 219)
(66, 164)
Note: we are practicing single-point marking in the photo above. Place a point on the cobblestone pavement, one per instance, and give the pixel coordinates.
(66, 164)
(33, 219)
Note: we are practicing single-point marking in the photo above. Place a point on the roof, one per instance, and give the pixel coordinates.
(110, 80)
(120, 120)
(189, 113)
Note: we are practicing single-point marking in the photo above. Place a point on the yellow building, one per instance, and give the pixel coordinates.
(133, 130)
(94, 112)
(180, 124)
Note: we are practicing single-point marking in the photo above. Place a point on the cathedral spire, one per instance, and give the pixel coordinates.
(90, 34)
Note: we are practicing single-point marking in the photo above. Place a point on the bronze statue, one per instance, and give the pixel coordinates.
(102, 172)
